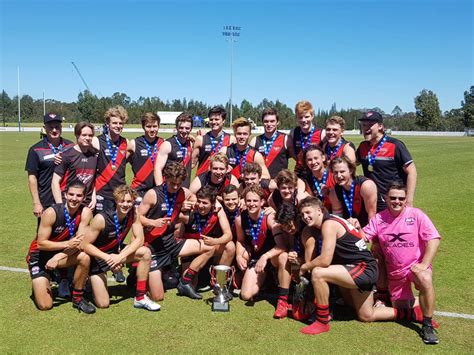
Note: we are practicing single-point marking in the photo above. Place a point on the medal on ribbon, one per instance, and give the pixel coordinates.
(371, 158)
(255, 231)
(71, 224)
(169, 208)
(349, 201)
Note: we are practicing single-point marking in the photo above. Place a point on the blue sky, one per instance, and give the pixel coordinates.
(354, 53)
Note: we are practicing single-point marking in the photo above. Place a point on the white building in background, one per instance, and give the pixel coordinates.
(168, 117)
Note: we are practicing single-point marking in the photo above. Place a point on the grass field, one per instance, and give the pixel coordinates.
(445, 192)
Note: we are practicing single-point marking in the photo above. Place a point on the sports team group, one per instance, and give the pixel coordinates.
(357, 240)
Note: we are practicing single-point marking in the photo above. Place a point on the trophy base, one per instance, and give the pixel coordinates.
(220, 306)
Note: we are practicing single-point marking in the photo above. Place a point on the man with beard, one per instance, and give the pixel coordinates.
(385, 159)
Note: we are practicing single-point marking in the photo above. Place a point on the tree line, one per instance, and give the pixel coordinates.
(89, 107)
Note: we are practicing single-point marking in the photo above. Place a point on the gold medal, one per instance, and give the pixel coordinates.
(113, 167)
(370, 168)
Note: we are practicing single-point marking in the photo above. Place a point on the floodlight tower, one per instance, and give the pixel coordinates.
(231, 32)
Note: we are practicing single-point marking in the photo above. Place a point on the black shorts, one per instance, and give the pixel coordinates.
(99, 266)
(164, 250)
(364, 274)
(37, 260)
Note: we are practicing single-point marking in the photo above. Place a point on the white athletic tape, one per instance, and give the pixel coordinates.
(438, 313)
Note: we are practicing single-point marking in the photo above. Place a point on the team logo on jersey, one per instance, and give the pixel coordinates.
(153, 263)
(409, 221)
(398, 242)
(164, 207)
(179, 154)
(298, 143)
(207, 148)
(84, 160)
(232, 161)
(59, 229)
(361, 245)
(261, 149)
(35, 270)
(111, 234)
(144, 152)
(84, 177)
(48, 157)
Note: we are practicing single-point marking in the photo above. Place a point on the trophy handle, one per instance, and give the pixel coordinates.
(232, 279)
(213, 275)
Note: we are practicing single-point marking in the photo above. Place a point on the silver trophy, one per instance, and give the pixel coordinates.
(222, 276)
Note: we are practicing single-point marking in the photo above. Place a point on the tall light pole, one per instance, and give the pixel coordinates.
(231, 32)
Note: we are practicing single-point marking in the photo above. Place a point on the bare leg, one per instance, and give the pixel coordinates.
(99, 290)
(155, 286)
(42, 293)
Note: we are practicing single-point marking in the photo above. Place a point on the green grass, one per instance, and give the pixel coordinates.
(445, 192)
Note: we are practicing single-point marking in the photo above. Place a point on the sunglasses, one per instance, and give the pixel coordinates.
(394, 198)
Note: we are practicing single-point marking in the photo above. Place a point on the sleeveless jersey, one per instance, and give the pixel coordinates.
(358, 205)
(107, 241)
(312, 189)
(210, 147)
(350, 247)
(209, 226)
(59, 230)
(299, 139)
(265, 240)
(277, 157)
(181, 155)
(143, 164)
(160, 210)
(107, 178)
(205, 180)
(332, 153)
(238, 164)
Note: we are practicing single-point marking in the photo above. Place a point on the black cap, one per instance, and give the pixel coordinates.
(52, 117)
(373, 116)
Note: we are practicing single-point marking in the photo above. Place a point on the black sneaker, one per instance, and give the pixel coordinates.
(428, 334)
(188, 291)
(84, 306)
(119, 276)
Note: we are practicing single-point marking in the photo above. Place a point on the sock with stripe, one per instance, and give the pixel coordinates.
(77, 295)
(189, 275)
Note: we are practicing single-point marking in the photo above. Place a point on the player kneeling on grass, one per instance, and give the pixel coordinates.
(104, 242)
(344, 261)
(288, 234)
(210, 225)
(159, 212)
(255, 243)
(409, 241)
(56, 246)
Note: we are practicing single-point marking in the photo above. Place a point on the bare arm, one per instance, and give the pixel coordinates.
(253, 141)
(138, 239)
(92, 232)
(56, 189)
(160, 162)
(329, 237)
(196, 150)
(349, 153)
(226, 231)
(33, 186)
(410, 170)
(44, 232)
(368, 190)
(336, 205)
(430, 252)
(258, 159)
(241, 254)
(195, 185)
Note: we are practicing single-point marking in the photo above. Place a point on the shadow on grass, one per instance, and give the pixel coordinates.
(120, 293)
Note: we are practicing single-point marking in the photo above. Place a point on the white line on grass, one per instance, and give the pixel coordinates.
(438, 313)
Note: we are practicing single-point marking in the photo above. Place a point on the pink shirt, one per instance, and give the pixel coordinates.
(403, 239)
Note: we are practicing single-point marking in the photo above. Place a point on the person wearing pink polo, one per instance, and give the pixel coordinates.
(409, 242)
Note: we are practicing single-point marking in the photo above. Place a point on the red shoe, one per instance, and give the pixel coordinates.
(315, 328)
(282, 310)
(299, 312)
